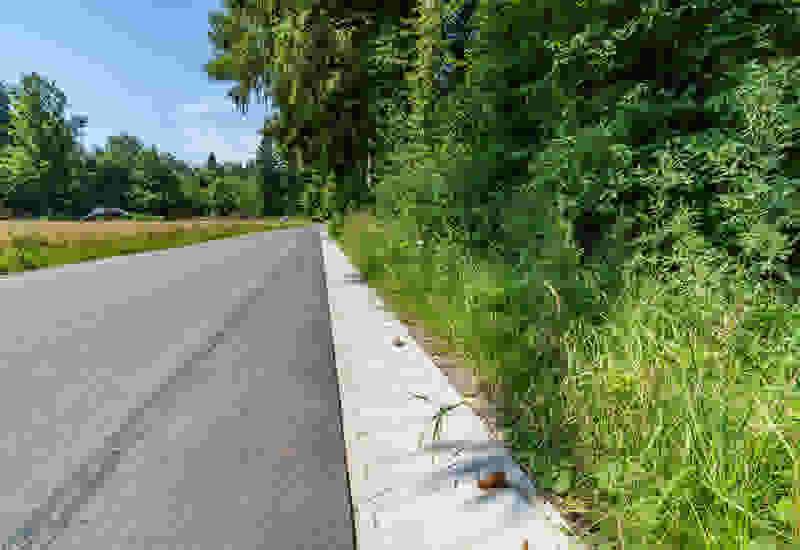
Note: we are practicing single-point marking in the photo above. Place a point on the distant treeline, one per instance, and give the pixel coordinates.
(46, 171)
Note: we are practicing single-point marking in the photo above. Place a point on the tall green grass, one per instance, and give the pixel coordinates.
(666, 413)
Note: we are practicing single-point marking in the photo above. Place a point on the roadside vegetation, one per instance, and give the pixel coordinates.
(673, 417)
(597, 204)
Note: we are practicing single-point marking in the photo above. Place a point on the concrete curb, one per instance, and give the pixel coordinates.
(404, 497)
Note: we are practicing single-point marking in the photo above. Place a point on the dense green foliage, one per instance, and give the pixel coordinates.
(5, 115)
(45, 171)
(637, 161)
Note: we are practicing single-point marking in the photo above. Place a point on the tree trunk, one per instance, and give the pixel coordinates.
(370, 169)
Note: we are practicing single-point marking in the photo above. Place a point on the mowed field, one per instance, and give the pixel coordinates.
(67, 232)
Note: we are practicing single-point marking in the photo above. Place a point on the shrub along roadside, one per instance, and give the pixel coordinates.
(671, 421)
(35, 250)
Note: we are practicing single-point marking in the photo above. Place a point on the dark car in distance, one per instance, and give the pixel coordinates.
(106, 214)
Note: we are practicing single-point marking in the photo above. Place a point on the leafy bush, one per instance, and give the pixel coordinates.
(607, 201)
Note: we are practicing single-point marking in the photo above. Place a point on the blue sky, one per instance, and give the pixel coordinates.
(133, 67)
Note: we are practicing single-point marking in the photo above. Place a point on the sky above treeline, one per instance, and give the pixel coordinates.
(134, 67)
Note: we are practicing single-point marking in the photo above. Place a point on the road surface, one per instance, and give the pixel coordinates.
(181, 399)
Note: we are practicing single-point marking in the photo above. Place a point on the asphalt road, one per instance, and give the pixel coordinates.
(182, 399)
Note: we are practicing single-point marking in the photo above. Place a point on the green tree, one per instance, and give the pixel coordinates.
(224, 195)
(5, 116)
(38, 159)
(269, 178)
(5, 141)
(124, 148)
(250, 197)
(142, 194)
(45, 170)
(310, 58)
(211, 163)
(194, 187)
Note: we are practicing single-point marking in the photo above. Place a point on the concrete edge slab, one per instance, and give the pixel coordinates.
(405, 497)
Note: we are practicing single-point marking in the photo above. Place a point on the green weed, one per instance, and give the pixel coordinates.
(673, 418)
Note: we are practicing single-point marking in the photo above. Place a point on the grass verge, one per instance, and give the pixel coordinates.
(38, 244)
(671, 419)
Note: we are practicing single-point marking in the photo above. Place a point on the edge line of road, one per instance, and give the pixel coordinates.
(324, 282)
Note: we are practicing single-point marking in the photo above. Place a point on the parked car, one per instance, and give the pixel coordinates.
(106, 214)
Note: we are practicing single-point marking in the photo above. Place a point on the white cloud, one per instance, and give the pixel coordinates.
(195, 108)
(236, 145)
(207, 105)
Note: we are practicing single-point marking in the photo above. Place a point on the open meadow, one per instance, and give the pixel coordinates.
(34, 244)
